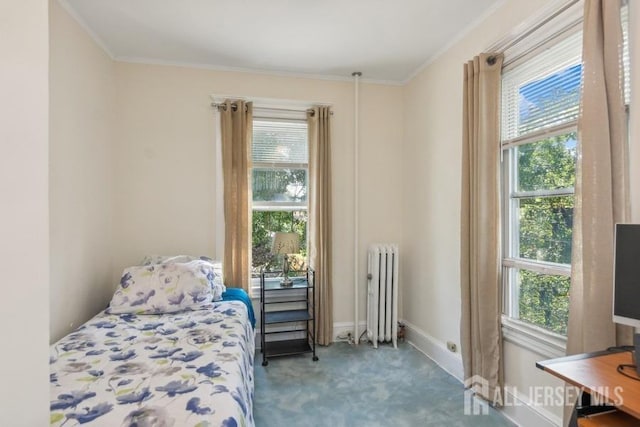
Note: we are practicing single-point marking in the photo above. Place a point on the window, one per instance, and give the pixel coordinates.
(279, 186)
(540, 103)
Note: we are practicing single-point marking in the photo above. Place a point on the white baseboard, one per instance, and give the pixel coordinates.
(434, 350)
(522, 412)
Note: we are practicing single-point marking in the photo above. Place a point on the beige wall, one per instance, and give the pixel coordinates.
(163, 178)
(165, 167)
(431, 210)
(381, 185)
(133, 167)
(81, 176)
(24, 232)
(431, 176)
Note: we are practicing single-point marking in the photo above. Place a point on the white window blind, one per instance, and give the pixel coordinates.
(279, 142)
(280, 164)
(544, 90)
(626, 62)
(531, 104)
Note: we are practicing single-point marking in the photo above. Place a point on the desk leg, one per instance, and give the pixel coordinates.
(573, 422)
(583, 407)
(584, 400)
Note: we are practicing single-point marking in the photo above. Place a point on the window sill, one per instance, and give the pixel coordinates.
(534, 338)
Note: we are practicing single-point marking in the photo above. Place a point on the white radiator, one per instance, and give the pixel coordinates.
(382, 299)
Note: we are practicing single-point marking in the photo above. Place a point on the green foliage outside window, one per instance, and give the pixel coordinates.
(264, 224)
(545, 229)
(279, 186)
(544, 300)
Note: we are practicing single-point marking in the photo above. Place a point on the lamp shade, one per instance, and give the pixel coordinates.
(285, 243)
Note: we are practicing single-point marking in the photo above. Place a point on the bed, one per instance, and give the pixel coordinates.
(192, 367)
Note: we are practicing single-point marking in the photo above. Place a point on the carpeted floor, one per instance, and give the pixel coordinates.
(361, 387)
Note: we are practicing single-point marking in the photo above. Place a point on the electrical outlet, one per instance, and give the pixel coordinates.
(452, 347)
(345, 336)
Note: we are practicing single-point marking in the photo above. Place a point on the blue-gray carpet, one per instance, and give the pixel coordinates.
(361, 387)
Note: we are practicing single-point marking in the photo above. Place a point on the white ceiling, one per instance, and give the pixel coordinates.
(386, 40)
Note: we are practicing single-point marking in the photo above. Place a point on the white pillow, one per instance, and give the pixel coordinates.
(217, 285)
(164, 288)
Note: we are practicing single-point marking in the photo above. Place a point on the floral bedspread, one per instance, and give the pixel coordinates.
(181, 369)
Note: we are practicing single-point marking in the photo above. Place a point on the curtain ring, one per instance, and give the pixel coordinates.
(491, 60)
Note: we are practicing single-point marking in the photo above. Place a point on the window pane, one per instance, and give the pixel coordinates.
(544, 300)
(279, 185)
(550, 100)
(544, 90)
(545, 228)
(279, 142)
(549, 164)
(264, 224)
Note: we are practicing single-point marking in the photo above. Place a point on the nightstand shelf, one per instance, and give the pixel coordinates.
(287, 311)
(285, 316)
(287, 348)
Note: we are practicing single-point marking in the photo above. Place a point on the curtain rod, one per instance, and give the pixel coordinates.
(503, 46)
(234, 106)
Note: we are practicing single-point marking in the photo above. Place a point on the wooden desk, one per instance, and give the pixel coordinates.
(596, 373)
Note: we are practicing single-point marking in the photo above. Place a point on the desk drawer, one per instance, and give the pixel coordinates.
(609, 419)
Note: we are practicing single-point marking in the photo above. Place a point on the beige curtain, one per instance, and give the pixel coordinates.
(320, 218)
(236, 127)
(601, 182)
(480, 333)
(601, 197)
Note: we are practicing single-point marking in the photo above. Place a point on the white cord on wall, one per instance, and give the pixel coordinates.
(356, 190)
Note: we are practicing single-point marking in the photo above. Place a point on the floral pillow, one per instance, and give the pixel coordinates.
(217, 285)
(164, 288)
(159, 259)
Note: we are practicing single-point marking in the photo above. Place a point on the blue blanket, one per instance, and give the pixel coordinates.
(239, 294)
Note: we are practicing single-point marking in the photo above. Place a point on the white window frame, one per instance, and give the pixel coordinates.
(554, 22)
(278, 114)
(526, 335)
(542, 341)
(510, 196)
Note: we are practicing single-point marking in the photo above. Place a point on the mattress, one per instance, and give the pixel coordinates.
(192, 368)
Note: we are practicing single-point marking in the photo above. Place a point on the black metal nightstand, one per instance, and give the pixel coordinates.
(287, 311)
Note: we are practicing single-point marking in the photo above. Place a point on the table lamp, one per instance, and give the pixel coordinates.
(285, 244)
